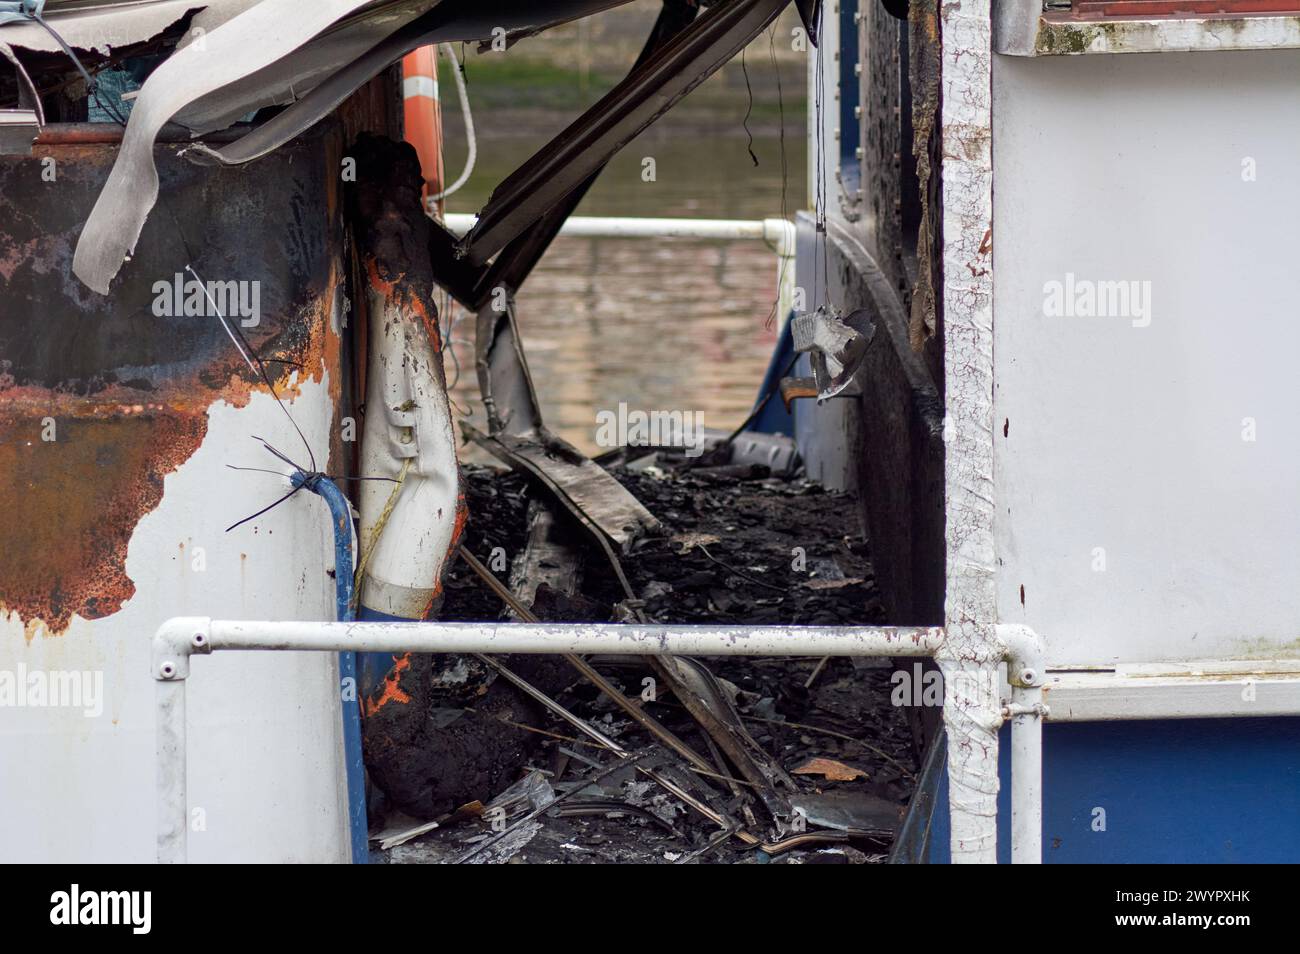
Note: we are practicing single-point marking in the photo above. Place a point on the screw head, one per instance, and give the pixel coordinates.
(167, 669)
(1029, 676)
(199, 639)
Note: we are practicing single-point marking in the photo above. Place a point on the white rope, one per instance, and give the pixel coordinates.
(463, 94)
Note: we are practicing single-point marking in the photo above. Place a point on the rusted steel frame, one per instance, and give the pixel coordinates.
(588, 143)
(90, 134)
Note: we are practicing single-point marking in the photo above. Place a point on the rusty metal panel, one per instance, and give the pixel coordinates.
(118, 391)
(117, 521)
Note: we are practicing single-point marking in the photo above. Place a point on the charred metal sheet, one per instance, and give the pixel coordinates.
(809, 12)
(107, 26)
(100, 398)
(591, 140)
(504, 380)
(339, 49)
(519, 438)
(700, 693)
(548, 557)
(517, 260)
(828, 338)
(272, 52)
(319, 102)
(584, 487)
(250, 41)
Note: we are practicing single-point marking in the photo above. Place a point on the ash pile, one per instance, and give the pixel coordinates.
(649, 759)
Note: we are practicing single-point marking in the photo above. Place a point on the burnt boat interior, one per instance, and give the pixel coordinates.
(833, 516)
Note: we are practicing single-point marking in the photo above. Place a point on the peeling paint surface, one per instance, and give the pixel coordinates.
(118, 523)
(100, 397)
(1072, 35)
(968, 659)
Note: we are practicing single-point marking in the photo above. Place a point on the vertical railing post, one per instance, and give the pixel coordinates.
(173, 821)
(173, 645)
(1026, 774)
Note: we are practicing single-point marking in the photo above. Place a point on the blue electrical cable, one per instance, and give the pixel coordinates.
(341, 518)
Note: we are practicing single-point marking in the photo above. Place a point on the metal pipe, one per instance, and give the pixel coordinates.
(1026, 774)
(558, 638)
(91, 134)
(779, 235)
(972, 713)
(1026, 664)
(599, 226)
(169, 735)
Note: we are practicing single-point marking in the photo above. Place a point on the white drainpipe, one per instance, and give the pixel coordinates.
(972, 711)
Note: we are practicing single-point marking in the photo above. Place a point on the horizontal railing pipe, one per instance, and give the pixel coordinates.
(606, 638)
(180, 638)
(777, 233)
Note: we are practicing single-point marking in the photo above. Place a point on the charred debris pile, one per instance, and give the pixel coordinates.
(547, 759)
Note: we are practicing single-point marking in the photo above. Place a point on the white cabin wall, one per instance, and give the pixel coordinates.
(1126, 439)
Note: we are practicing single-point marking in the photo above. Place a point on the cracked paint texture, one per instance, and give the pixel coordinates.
(970, 655)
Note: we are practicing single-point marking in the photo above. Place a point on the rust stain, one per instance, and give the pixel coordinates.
(74, 502)
(404, 297)
(100, 400)
(78, 476)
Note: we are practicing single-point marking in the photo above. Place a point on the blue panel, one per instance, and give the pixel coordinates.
(850, 164)
(773, 418)
(1178, 791)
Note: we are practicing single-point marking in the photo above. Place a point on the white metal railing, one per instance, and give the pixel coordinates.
(777, 234)
(968, 661)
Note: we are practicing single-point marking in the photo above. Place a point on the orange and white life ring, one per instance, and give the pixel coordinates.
(423, 116)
